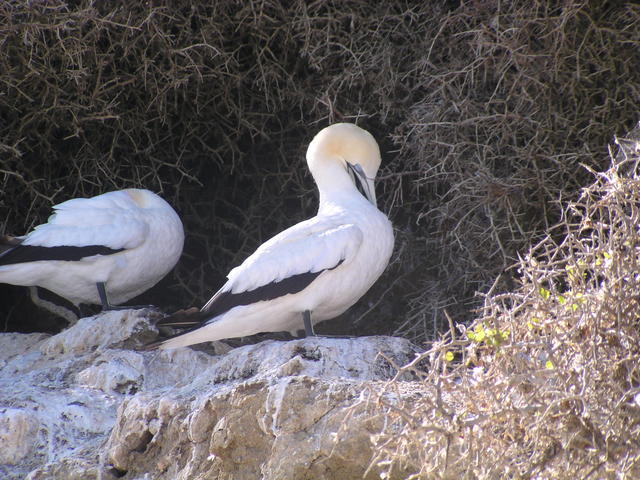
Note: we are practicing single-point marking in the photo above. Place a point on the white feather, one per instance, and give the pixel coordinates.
(112, 219)
(311, 246)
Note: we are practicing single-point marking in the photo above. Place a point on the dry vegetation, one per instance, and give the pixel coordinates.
(546, 382)
(484, 111)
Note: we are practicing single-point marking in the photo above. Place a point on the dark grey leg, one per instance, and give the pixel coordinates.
(308, 328)
(103, 296)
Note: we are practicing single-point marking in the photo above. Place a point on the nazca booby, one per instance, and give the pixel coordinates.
(314, 270)
(102, 250)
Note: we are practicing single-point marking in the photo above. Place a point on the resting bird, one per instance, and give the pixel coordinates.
(102, 250)
(314, 270)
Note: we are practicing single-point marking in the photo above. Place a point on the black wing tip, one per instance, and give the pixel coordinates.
(226, 300)
(20, 253)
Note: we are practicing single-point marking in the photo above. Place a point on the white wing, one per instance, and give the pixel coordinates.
(112, 219)
(308, 247)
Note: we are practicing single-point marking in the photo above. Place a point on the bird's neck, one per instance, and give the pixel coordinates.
(346, 198)
(335, 185)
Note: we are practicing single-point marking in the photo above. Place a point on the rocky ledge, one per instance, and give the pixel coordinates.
(86, 404)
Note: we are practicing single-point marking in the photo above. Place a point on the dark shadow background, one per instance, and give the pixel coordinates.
(484, 112)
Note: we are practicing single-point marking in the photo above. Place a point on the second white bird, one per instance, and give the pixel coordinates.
(101, 250)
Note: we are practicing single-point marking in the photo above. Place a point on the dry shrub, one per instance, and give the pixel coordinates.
(546, 382)
(513, 98)
(484, 111)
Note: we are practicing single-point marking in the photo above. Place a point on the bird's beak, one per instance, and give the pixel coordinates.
(364, 183)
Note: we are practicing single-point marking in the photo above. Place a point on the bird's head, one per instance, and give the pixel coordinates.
(142, 198)
(349, 146)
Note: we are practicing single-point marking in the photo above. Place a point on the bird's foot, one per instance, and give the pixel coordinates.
(104, 299)
(308, 328)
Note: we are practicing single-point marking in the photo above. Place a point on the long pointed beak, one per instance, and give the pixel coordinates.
(366, 184)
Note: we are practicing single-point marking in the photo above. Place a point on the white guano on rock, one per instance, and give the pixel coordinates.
(85, 404)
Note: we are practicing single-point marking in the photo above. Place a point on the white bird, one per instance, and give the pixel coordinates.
(100, 250)
(314, 270)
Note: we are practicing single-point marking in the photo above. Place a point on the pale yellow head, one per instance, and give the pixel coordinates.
(140, 197)
(145, 198)
(350, 148)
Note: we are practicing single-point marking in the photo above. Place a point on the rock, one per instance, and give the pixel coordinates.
(54, 402)
(17, 435)
(114, 372)
(110, 328)
(83, 405)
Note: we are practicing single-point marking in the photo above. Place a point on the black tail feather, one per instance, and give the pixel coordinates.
(147, 347)
(186, 318)
(7, 242)
(189, 319)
